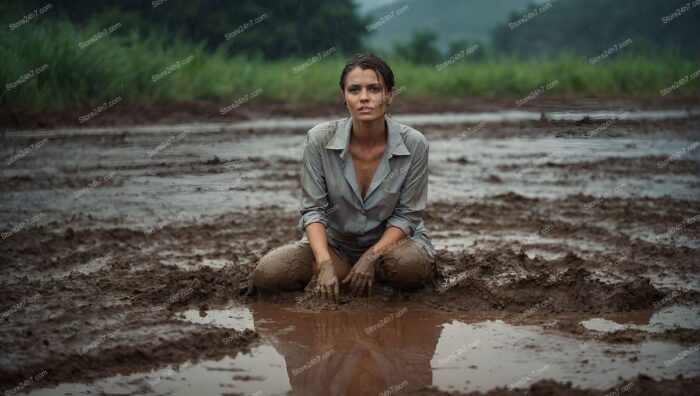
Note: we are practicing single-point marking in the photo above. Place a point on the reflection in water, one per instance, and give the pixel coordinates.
(652, 321)
(399, 347)
(352, 353)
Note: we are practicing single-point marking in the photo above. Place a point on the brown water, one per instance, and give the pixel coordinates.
(402, 347)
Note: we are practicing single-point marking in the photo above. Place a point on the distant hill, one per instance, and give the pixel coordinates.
(452, 20)
(593, 28)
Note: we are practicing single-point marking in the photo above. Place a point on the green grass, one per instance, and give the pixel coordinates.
(122, 64)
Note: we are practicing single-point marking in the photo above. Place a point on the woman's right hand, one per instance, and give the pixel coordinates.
(327, 281)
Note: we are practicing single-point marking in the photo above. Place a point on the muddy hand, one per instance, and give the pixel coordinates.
(327, 281)
(361, 275)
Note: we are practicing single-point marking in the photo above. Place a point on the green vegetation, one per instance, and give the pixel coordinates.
(140, 63)
(273, 29)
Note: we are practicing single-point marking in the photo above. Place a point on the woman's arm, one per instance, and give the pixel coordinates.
(389, 239)
(327, 282)
(314, 220)
(413, 195)
(314, 200)
(318, 242)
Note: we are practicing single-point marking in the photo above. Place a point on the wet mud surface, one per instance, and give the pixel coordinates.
(160, 112)
(567, 252)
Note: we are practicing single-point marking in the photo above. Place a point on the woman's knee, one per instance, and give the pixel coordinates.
(406, 267)
(286, 268)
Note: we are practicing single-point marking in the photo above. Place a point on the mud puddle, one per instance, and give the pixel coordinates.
(554, 168)
(464, 171)
(225, 375)
(648, 321)
(404, 346)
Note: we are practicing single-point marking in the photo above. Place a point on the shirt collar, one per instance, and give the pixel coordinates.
(395, 143)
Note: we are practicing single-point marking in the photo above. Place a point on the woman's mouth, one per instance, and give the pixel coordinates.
(366, 109)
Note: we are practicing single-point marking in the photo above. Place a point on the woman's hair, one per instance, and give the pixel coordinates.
(369, 61)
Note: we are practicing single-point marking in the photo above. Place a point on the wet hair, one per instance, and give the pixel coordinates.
(369, 61)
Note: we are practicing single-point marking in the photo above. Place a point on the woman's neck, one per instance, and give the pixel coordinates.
(369, 133)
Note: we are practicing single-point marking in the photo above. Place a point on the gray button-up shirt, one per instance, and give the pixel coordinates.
(330, 193)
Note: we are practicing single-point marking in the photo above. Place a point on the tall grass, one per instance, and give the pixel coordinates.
(123, 63)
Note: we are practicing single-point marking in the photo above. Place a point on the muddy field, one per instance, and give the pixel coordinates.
(567, 236)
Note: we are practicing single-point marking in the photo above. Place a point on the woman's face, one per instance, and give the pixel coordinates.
(365, 94)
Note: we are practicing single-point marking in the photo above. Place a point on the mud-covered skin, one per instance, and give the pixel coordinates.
(290, 267)
(406, 267)
(594, 262)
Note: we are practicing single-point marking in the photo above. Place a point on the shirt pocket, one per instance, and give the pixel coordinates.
(393, 181)
(387, 204)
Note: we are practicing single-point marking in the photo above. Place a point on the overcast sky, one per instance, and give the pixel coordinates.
(367, 5)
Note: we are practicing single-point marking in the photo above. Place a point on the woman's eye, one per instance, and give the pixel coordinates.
(375, 89)
(354, 90)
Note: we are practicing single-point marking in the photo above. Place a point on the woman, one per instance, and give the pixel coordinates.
(364, 188)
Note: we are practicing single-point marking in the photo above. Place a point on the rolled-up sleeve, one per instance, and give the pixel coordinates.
(313, 202)
(413, 194)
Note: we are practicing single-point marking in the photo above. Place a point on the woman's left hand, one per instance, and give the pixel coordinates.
(361, 275)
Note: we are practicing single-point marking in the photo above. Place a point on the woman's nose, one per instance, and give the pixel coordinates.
(364, 95)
